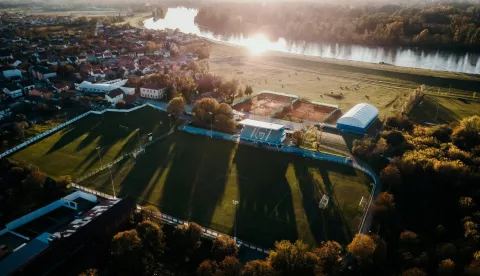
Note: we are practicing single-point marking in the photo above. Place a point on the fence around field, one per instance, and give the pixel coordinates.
(206, 232)
(59, 127)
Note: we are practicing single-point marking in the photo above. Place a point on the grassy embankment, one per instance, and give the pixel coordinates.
(383, 86)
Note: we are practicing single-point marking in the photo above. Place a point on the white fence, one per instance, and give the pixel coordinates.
(50, 131)
(176, 221)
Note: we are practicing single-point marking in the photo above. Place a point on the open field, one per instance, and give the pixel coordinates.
(72, 150)
(449, 110)
(316, 79)
(306, 111)
(264, 104)
(196, 178)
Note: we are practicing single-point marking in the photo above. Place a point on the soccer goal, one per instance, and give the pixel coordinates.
(323, 202)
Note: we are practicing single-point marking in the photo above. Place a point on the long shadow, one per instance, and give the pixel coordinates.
(338, 228)
(73, 132)
(427, 111)
(266, 211)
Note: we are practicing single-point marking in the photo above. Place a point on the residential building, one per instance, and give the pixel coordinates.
(114, 96)
(26, 85)
(152, 91)
(61, 86)
(102, 87)
(12, 73)
(42, 73)
(13, 90)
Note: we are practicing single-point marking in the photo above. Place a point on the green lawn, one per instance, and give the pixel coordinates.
(449, 110)
(72, 151)
(196, 178)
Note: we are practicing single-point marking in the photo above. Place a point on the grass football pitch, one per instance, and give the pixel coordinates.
(196, 178)
(72, 150)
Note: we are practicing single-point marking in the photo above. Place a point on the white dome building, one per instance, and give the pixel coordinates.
(358, 119)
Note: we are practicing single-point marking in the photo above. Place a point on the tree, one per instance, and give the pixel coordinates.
(176, 106)
(224, 123)
(121, 105)
(126, 253)
(257, 268)
(64, 181)
(228, 89)
(231, 266)
(248, 90)
(34, 180)
(413, 272)
(203, 52)
(466, 203)
(362, 248)
(89, 272)
(391, 176)
(207, 268)
(224, 109)
(446, 267)
(294, 259)
(185, 239)
(467, 134)
(150, 213)
(383, 206)
(151, 235)
(330, 253)
(297, 138)
(204, 110)
(224, 246)
(408, 238)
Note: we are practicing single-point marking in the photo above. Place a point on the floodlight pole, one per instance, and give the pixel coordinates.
(99, 157)
(235, 203)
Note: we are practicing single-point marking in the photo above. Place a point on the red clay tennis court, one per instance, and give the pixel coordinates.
(264, 104)
(307, 111)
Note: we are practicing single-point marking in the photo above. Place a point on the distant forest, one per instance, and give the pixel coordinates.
(453, 27)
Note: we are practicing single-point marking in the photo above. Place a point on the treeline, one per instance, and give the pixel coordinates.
(25, 188)
(455, 27)
(149, 247)
(428, 214)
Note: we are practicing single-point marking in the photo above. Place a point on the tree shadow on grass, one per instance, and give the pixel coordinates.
(265, 213)
(74, 131)
(426, 111)
(196, 180)
(338, 228)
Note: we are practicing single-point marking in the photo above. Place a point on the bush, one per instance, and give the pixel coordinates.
(400, 122)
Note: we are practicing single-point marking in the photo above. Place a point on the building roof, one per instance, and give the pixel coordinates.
(360, 116)
(260, 124)
(115, 92)
(152, 86)
(42, 70)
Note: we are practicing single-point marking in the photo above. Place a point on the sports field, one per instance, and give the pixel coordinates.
(72, 150)
(196, 178)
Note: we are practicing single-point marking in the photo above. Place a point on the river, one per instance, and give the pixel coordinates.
(183, 19)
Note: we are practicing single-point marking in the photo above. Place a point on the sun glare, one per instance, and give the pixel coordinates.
(257, 44)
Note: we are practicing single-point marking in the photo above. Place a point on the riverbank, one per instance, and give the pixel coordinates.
(340, 82)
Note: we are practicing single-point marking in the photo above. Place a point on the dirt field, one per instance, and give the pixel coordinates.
(263, 104)
(316, 79)
(306, 111)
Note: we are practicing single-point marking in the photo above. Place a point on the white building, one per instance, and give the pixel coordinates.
(152, 91)
(13, 91)
(114, 96)
(103, 87)
(12, 73)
